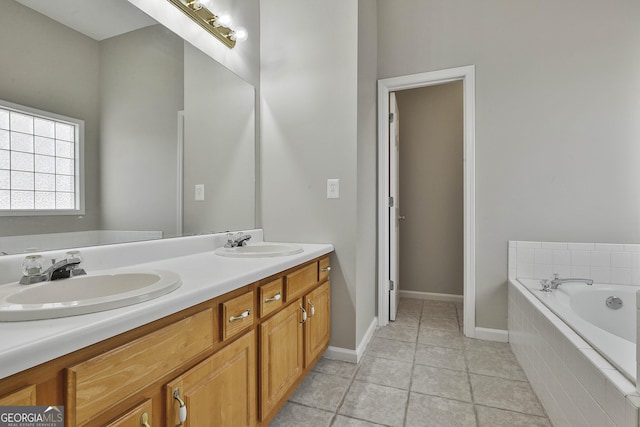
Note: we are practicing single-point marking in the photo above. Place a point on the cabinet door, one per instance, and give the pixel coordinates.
(281, 356)
(318, 324)
(220, 391)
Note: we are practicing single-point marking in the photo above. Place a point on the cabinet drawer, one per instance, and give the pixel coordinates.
(237, 315)
(136, 417)
(325, 269)
(24, 397)
(271, 297)
(300, 281)
(105, 380)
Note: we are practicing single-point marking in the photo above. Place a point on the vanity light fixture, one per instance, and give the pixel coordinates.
(217, 25)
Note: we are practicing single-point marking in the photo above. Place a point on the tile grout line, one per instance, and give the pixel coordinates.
(413, 367)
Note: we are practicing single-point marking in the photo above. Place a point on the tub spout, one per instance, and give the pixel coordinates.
(557, 281)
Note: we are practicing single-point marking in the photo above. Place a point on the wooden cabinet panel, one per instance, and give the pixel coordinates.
(237, 315)
(281, 356)
(318, 324)
(220, 391)
(300, 281)
(136, 417)
(271, 298)
(101, 382)
(23, 397)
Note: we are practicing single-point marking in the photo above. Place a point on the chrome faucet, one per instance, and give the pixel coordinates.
(240, 240)
(63, 269)
(548, 285)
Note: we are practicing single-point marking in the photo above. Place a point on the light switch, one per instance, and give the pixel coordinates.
(199, 192)
(333, 189)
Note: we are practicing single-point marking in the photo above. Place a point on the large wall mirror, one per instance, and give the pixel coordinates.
(164, 123)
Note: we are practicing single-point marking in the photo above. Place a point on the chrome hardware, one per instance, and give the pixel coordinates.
(304, 315)
(545, 285)
(402, 218)
(62, 269)
(614, 303)
(144, 420)
(240, 240)
(242, 315)
(183, 407)
(276, 297)
(557, 281)
(313, 309)
(325, 269)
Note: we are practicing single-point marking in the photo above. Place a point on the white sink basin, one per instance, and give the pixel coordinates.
(83, 294)
(260, 250)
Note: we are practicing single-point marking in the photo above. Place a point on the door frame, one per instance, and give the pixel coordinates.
(467, 75)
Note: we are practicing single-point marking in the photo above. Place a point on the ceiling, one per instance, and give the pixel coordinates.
(98, 19)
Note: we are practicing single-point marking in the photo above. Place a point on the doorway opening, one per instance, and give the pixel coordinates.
(388, 215)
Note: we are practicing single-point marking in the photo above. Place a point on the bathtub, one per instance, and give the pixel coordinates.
(611, 332)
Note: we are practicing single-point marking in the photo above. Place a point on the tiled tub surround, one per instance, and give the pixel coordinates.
(574, 382)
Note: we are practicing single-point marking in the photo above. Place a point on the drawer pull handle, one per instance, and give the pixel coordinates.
(304, 315)
(276, 297)
(242, 315)
(144, 420)
(183, 407)
(326, 269)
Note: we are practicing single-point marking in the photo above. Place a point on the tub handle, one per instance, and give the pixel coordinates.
(545, 285)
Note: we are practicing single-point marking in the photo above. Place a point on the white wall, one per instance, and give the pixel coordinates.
(557, 117)
(309, 126)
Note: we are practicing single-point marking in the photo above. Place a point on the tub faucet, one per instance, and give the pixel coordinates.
(548, 285)
(240, 240)
(62, 269)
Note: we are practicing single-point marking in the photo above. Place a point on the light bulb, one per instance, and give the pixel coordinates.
(239, 35)
(224, 19)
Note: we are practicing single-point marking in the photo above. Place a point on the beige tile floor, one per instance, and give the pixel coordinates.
(418, 371)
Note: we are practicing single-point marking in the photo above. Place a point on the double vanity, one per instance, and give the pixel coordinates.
(226, 342)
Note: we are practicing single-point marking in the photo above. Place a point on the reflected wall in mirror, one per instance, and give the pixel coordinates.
(134, 91)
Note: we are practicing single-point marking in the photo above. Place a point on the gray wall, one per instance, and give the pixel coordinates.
(47, 66)
(219, 134)
(557, 109)
(312, 130)
(141, 85)
(431, 188)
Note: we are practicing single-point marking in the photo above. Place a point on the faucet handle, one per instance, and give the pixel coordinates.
(545, 285)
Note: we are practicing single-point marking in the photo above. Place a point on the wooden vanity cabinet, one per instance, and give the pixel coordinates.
(220, 391)
(23, 397)
(235, 359)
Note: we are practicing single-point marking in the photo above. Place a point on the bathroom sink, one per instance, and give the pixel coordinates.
(83, 294)
(260, 250)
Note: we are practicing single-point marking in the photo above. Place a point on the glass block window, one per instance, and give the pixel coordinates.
(40, 169)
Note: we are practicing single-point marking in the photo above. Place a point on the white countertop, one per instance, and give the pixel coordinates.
(204, 276)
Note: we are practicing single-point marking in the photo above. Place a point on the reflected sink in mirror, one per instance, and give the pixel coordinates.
(260, 250)
(83, 294)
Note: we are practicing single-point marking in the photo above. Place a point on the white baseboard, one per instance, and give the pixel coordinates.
(488, 334)
(353, 356)
(431, 295)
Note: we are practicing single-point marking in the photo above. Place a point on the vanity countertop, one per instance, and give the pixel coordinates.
(204, 275)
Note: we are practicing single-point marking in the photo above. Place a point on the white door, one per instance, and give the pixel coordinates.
(394, 209)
